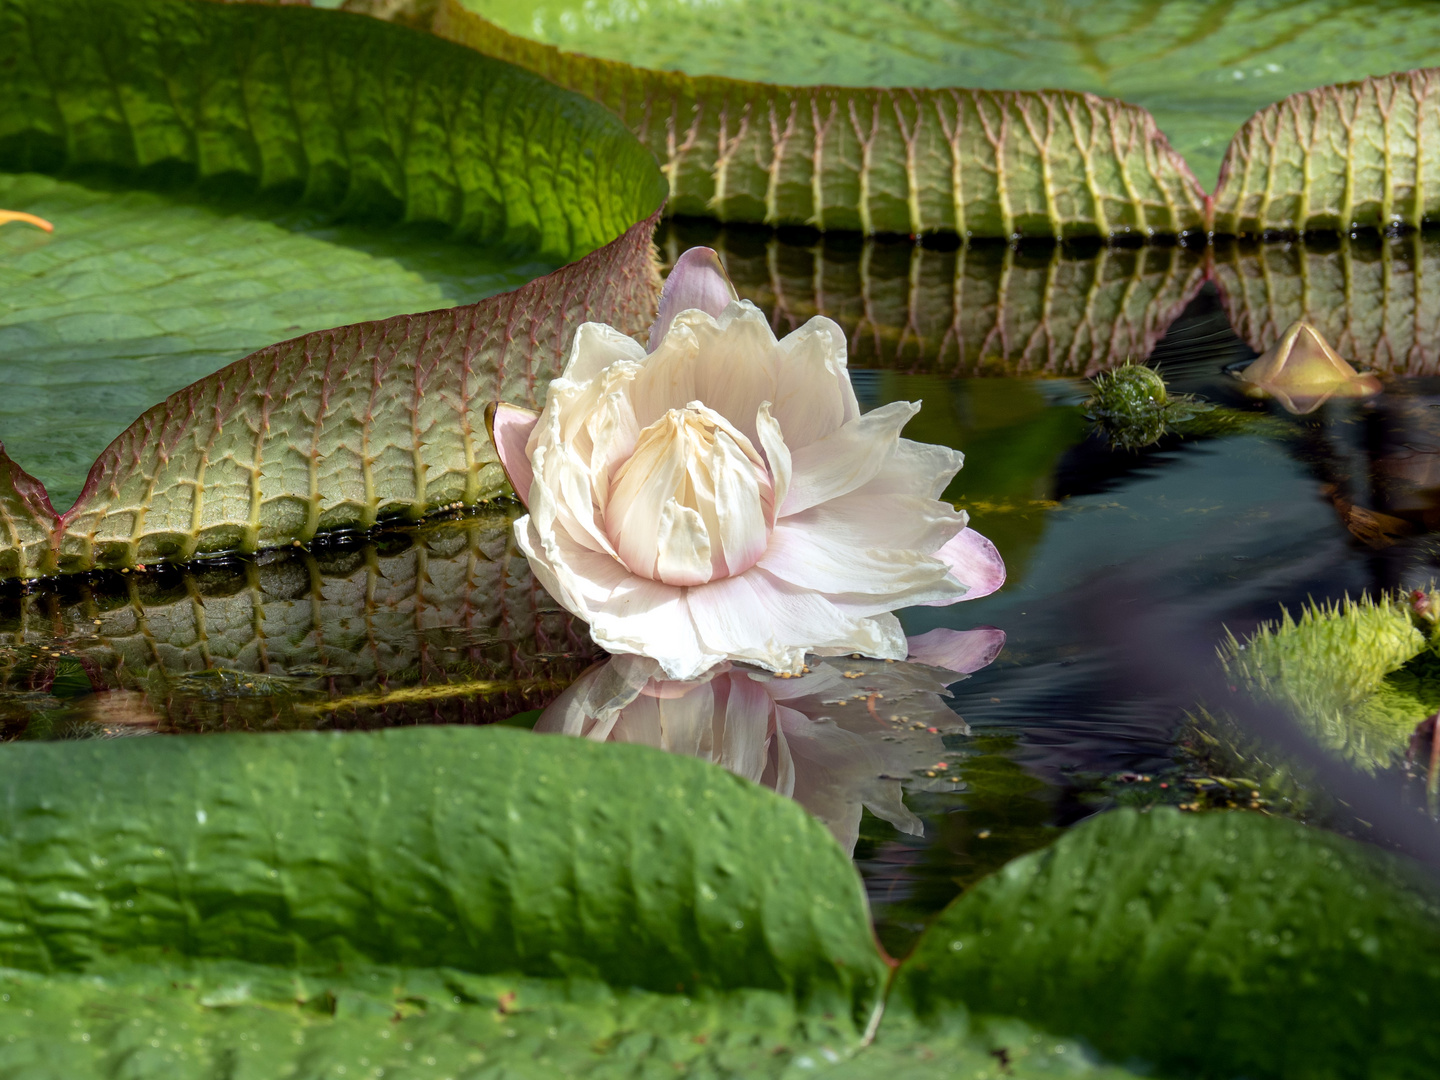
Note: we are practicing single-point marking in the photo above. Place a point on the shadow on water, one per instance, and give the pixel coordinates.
(1212, 529)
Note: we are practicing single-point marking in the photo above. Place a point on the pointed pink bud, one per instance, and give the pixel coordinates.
(974, 562)
(510, 427)
(959, 650)
(1303, 372)
(697, 280)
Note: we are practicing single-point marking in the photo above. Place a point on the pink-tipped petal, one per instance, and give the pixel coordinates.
(963, 651)
(697, 280)
(510, 428)
(974, 562)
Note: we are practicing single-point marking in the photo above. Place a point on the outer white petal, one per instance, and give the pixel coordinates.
(760, 618)
(594, 348)
(650, 618)
(813, 395)
(845, 459)
(825, 564)
(915, 468)
(882, 522)
(777, 456)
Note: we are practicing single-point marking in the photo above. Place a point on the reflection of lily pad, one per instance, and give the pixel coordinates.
(446, 625)
(979, 310)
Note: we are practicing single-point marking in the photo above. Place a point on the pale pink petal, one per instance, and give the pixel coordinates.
(650, 618)
(728, 364)
(915, 468)
(697, 280)
(882, 522)
(845, 459)
(826, 564)
(578, 578)
(975, 563)
(594, 348)
(813, 395)
(760, 618)
(963, 651)
(510, 427)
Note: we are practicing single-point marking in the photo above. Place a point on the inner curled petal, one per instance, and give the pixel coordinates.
(691, 503)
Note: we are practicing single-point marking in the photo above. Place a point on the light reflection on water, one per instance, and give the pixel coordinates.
(445, 623)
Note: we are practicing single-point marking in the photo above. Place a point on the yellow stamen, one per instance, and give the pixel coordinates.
(7, 216)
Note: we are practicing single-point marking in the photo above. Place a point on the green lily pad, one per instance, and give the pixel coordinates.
(1213, 945)
(441, 892)
(348, 119)
(138, 294)
(1201, 69)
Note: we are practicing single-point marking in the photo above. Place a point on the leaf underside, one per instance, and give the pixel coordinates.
(343, 428)
(1055, 163)
(911, 161)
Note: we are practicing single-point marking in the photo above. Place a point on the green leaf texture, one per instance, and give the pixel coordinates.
(1214, 945)
(1357, 155)
(459, 851)
(1201, 68)
(342, 428)
(972, 310)
(140, 293)
(444, 623)
(1376, 300)
(973, 162)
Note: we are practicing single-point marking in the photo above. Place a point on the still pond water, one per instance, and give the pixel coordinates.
(445, 623)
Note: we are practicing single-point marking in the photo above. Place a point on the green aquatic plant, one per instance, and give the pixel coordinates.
(1358, 674)
(1133, 408)
(485, 901)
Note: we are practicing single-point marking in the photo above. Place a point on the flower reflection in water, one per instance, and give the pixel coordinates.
(839, 737)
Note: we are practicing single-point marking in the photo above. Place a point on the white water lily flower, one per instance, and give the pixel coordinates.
(722, 496)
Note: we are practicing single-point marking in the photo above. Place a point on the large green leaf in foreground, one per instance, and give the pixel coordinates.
(360, 120)
(1201, 68)
(1217, 945)
(477, 900)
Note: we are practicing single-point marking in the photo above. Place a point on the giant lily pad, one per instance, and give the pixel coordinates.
(363, 121)
(1214, 945)
(1024, 158)
(443, 897)
(1200, 69)
(973, 162)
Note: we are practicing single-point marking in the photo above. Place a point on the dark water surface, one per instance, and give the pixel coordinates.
(445, 624)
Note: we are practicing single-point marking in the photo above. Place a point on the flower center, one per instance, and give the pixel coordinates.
(693, 502)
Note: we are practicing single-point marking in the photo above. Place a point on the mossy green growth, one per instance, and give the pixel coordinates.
(1132, 406)
(1358, 674)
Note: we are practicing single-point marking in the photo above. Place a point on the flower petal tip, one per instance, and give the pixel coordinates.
(962, 651)
(697, 280)
(974, 562)
(510, 427)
